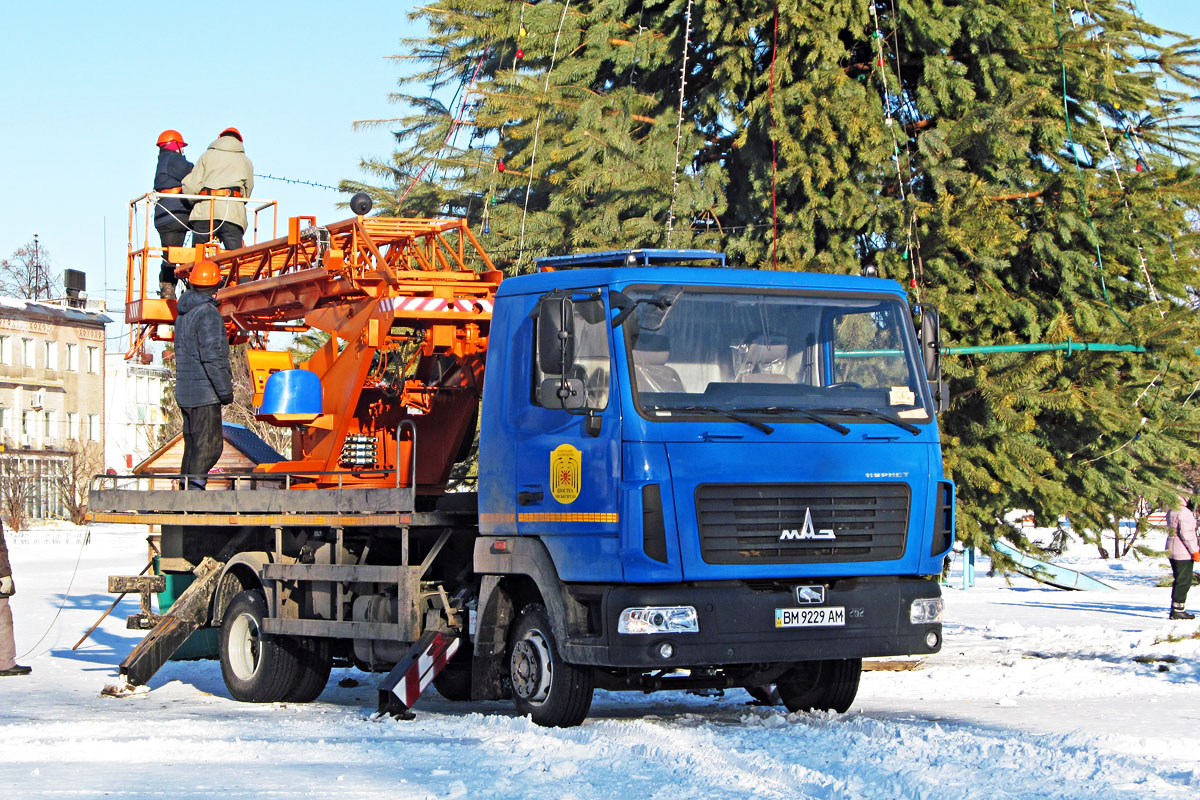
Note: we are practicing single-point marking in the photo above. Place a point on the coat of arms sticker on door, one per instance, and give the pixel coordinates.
(565, 473)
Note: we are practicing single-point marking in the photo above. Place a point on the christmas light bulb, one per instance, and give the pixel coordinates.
(523, 32)
(520, 54)
(500, 166)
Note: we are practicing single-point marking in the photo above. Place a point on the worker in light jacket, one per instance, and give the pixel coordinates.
(1183, 551)
(171, 216)
(223, 171)
(203, 375)
(8, 644)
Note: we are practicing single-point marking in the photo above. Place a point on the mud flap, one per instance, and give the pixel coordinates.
(398, 692)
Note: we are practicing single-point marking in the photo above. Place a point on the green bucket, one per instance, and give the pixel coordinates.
(201, 644)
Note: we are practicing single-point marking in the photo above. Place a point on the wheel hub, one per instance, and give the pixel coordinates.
(531, 667)
(245, 641)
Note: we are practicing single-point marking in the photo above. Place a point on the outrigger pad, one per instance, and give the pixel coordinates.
(398, 692)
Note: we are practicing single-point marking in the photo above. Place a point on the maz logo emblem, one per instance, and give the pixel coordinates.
(807, 532)
(809, 594)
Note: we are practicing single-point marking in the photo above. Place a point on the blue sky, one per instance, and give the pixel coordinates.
(87, 87)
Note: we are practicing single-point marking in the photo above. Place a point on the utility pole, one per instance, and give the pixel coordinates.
(38, 279)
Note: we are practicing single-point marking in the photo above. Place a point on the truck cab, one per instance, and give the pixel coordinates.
(699, 477)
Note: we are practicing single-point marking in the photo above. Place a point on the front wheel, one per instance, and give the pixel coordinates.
(552, 692)
(257, 667)
(821, 685)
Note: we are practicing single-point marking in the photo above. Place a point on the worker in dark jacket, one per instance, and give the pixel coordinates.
(8, 645)
(203, 377)
(170, 215)
(222, 171)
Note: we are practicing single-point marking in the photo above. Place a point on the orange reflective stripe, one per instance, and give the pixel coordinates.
(221, 192)
(172, 190)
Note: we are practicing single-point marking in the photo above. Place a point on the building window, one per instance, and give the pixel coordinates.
(3, 421)
(93, 425)
(48, 425)
(50, 354)
(6, 349)
(70, 432)
(73, 357)
(24, 423)
(93, 359)
(27, 352)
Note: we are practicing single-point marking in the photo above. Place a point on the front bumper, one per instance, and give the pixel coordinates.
(737, 624)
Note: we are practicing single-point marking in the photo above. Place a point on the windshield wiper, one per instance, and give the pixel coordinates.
(799, 412)
(721, 412)
(866, 412)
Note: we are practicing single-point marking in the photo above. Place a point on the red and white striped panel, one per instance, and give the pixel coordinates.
(464, 305)
(425, 668)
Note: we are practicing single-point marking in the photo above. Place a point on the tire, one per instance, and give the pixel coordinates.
(553, 693)
(454, 682)
(821, 685)
(766, 694)
(312, 670)
(257, 667)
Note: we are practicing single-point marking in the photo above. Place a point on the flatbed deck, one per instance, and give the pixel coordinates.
(253, 501)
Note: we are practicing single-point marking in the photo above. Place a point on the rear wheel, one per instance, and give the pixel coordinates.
(257, 667)
(821, 685)
(312, 670)
(551, 692)
(454, 682)
(766, 695)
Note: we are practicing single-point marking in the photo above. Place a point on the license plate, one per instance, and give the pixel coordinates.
(825, 616)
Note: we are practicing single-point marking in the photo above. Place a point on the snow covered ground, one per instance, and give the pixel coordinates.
(1037, 693)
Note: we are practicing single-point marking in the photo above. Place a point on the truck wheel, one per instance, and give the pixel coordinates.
(821, 685)
(766, 694)
(454, 682)
(257, 667)
(552, 692)
(312, 670)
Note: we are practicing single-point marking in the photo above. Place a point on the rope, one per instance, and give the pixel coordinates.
(537, 126)
(1078, 169)
(66, 596)
(771, 129)
(687, 39)
(1116, 168)
(450, 133)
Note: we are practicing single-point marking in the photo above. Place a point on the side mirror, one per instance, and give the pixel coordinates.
(931, 357)
(931, 343)
(568, 395)
(556, 334)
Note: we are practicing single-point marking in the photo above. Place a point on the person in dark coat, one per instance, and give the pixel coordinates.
(203, 376)
(8, 645)
(170, 216)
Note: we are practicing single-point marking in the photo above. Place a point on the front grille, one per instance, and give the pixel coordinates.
(744, 523)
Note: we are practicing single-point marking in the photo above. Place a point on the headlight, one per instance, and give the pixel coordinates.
(926, 610)
(659, 619)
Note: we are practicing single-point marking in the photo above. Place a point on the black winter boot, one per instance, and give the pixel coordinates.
(1178, 612)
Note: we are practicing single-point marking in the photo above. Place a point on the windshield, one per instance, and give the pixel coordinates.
(772, 353)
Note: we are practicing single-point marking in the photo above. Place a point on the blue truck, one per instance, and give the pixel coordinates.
(688, 477)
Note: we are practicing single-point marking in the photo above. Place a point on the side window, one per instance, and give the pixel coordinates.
(867, 351)
(592, 356)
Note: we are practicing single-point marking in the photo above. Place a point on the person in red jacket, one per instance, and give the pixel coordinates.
(1183, 551)
(8, 645)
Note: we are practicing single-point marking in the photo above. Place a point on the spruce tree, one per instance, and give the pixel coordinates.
(1021, 165)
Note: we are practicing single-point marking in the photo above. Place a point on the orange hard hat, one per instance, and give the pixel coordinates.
(171, 135)
(205, 274)
(231, 131)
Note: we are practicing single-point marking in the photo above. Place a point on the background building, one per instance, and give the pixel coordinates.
(51, 393)
(134, 414)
